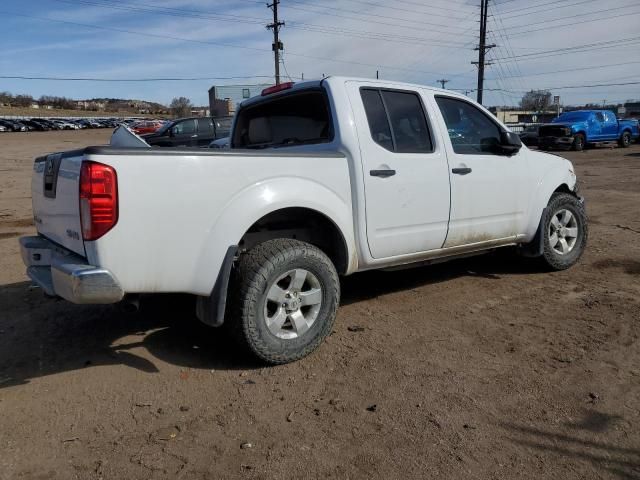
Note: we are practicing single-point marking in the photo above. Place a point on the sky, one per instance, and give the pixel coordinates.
(539, 44)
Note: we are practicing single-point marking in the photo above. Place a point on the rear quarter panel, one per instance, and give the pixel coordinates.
(178, 214)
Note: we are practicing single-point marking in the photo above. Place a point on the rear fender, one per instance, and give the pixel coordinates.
(258, 200)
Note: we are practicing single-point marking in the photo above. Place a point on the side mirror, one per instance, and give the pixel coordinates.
(172, 132)
(510, 143)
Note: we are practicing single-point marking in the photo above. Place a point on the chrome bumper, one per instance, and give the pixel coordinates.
(63, 273)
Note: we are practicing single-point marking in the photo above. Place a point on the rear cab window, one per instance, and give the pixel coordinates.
(296, 118)
(397, 120)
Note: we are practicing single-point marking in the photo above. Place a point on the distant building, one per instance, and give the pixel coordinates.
(523, 116)
(632, 109)
(224, 99)
(199, 112)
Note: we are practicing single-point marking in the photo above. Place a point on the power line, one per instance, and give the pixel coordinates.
(145, 8)
(219, 44)
(554, 3)
(421, 23)
(413, 11)
(571, 24)
(545, 22)
(584, 47)
(155, 79)
(578, 69)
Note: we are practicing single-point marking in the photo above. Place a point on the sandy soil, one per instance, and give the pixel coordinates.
(482, 368)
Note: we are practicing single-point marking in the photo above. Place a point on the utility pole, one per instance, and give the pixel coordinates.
(277, 45)
(482, 48)
(442, 82)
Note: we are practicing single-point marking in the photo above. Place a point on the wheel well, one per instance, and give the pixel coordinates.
(564, 188)
(302, 224)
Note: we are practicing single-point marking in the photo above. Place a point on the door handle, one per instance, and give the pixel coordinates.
(194, 136)
(382, 173)
(461, 170)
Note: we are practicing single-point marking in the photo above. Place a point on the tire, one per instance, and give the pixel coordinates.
(270, 271)
(578, 142)
(625, 140)
(561, 248)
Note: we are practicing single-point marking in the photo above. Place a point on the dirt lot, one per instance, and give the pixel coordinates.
(482, 368)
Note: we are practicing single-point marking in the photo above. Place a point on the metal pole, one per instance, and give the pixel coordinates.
(277, 44)
(481, 51)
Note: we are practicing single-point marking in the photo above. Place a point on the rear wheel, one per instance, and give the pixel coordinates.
(625, 140)
(578, 142)
(565, 231)
(285, 295)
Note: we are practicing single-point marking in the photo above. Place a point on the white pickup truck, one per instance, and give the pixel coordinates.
(322, 179)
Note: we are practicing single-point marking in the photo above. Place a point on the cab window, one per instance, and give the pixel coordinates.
(396, 120)
(471, 131)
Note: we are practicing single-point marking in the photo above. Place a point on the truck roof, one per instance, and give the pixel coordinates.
(340, 79)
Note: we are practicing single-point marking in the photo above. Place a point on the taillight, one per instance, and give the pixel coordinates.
(98, 199)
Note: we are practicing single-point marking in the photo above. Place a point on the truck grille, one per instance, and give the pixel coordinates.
(554, 131)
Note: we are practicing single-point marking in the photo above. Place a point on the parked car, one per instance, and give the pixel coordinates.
(580, 128)
(13, 126)
(184, 132)
(220, 143)
(145, 127)
(3, 128)
(65, 125)
(35, 125)
(529, 136)
(323, 178)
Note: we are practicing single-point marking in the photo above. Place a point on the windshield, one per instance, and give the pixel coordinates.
(164, 128)
(572, 117)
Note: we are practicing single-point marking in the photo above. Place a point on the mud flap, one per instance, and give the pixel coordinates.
(210, 310)
(535, 248)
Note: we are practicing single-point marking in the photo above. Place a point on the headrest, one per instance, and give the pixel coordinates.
(259, 131)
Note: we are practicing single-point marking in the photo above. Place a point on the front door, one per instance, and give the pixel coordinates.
(405, 171)
(184, 133)
(489, 190)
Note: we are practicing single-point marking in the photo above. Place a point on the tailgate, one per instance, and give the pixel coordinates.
(55, 195)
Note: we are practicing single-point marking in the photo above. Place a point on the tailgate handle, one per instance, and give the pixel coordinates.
(382, 173)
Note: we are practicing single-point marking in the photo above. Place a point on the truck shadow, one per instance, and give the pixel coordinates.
(41, 336)
(583, 443)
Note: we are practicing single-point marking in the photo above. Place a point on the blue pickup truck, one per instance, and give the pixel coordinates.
(580, 128)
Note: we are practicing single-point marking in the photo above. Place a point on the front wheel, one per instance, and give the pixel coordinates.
(578, 142)
(565, 231)
(625, 140)
(285, 295)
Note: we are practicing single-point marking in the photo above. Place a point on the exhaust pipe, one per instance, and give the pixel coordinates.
(130, 304)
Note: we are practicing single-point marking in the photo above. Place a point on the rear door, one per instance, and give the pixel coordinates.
(610, 126)
(489, 190)
(206, 132)
(405, 171)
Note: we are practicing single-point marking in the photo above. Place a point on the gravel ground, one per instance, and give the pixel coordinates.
(480, 368)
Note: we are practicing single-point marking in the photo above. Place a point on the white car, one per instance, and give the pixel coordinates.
(322, 179)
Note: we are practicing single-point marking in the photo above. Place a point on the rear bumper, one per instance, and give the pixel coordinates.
(62, 273)
(555, 141)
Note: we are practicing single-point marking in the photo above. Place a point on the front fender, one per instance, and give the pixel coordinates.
(554, 175)
(254, 202)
